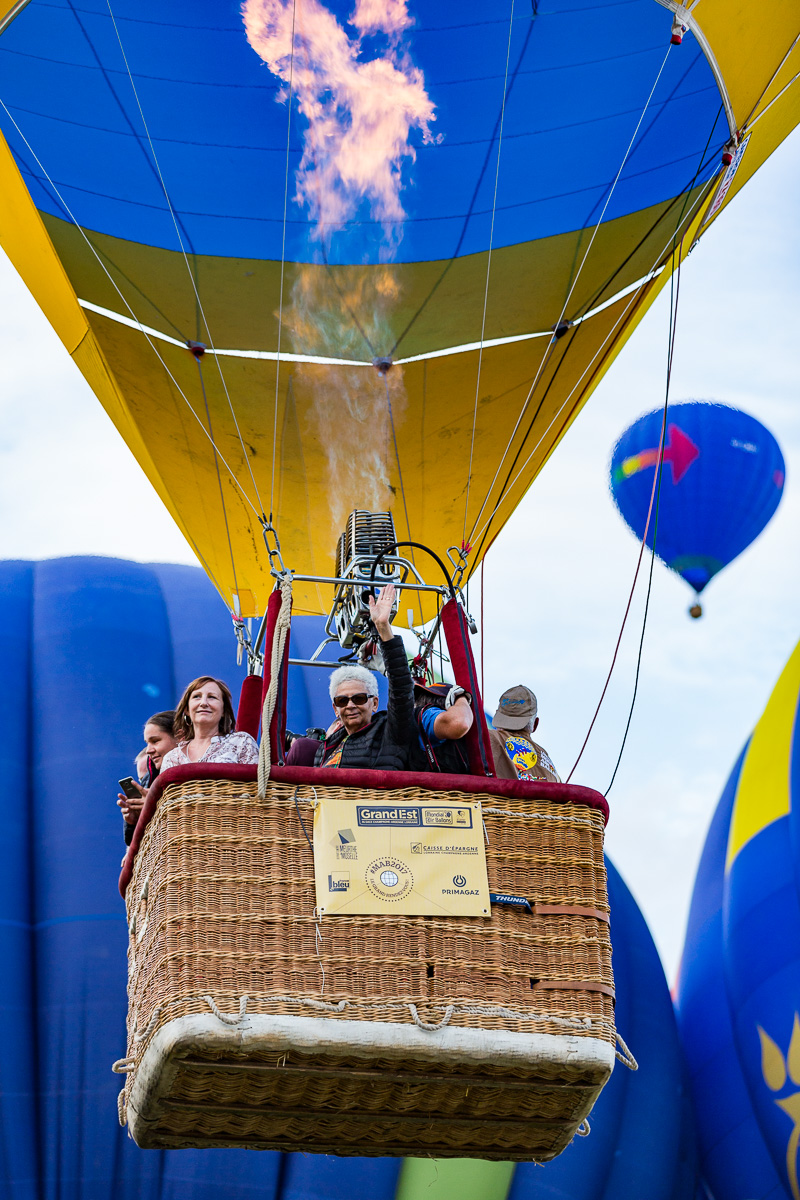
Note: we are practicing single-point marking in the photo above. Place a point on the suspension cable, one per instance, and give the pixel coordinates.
(654, 499)
(283, 266)
(183, 251)
(659, 476)
(553, 340)
(124, 300)
(488, 269)
(219, 478)
(634, 298)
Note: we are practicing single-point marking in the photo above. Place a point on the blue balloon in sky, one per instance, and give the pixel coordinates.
(90, 648)
(721, 483)
(739, 988)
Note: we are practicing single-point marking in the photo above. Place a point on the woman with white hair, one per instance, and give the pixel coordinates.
(368, 738)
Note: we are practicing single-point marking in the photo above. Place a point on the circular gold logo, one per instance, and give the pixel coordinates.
(388, 878)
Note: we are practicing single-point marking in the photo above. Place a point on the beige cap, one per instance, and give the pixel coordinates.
(517, 708)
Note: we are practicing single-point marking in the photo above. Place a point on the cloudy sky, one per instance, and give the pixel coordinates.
(557, 579)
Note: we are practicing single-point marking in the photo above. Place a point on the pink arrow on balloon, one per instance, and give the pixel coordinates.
(680, 452)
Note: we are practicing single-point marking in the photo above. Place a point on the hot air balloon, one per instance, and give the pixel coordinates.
(291, 247)
(721, 482)
(227, 226)
(740, 977)
(90, 648)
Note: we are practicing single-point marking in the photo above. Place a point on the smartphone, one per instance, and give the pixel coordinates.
(128, 788)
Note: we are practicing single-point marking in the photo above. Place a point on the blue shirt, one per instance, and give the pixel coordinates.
(426, 720)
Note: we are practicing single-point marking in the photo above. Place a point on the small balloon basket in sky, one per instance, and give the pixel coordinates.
(721, 480)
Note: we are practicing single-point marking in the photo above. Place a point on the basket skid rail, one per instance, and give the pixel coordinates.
(255, 1022)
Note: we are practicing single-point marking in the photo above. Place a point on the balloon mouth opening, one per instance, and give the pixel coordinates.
(696, 610)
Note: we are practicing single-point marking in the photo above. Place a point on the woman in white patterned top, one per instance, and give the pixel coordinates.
(205, 727)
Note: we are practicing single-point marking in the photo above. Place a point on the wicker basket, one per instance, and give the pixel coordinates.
(431, 1036)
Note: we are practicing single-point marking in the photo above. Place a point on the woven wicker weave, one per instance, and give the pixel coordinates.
(221, 906)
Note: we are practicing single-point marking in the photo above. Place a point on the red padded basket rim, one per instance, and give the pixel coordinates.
(520, 789)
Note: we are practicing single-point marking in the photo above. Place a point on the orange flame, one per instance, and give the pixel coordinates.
(360, 110)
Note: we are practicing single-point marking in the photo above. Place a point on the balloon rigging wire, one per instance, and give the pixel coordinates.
(400, 475)
(283, 265)
(219, 478)
(635, 297)
(124, 300)
(673, 321)
(553, 340)
(488, 269)
(183, 252)
(747, 123)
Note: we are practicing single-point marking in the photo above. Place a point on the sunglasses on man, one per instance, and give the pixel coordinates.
(359, 699)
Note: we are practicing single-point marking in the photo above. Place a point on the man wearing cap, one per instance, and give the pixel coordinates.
(516, 754)
(444, 716)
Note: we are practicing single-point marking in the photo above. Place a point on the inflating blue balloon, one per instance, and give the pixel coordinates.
(739, 988)
(722, 481)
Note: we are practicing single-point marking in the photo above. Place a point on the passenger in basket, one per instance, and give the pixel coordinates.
(206, 728)
(516, 754)
(444, 718)
(379, 741)
(158, 742)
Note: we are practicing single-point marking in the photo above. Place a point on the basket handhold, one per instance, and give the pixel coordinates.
(429, 1026)
(625, 1057)
(227, 1017)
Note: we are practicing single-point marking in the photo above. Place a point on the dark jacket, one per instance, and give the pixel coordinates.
(450, 756)
(385, 743)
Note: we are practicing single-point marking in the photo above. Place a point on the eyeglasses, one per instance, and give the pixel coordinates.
(343, 701)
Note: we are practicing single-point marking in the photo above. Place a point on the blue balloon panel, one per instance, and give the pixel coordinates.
(578, 80)
(91, 648)
(721, 482)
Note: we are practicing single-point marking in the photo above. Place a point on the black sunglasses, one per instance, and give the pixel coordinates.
(343, 701)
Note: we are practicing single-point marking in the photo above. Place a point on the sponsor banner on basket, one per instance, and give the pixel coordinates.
(416, 859)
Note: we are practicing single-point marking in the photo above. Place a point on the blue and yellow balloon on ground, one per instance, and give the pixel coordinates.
(739, 991)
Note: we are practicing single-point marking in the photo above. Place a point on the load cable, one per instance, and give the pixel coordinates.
(659, 474)
(488, 270)
(559, 323)
(683, 215)
(183, 252)
(634, 298)
(283, 267)
(655, 496)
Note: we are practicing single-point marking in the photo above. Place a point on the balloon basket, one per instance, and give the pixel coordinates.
(254, 1022)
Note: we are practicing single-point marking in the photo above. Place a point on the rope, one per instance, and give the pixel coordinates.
(283, 267)
(123, 1066)
(546, 355)
(219, 477)
(122, 1108)
(624, 1055)
(183, 250)
(584, 1129)
(431, 1027)
(151, 1024)
(475, 537)
(675, 286)
(488, 273)
(227, 1017)
(279, 637)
